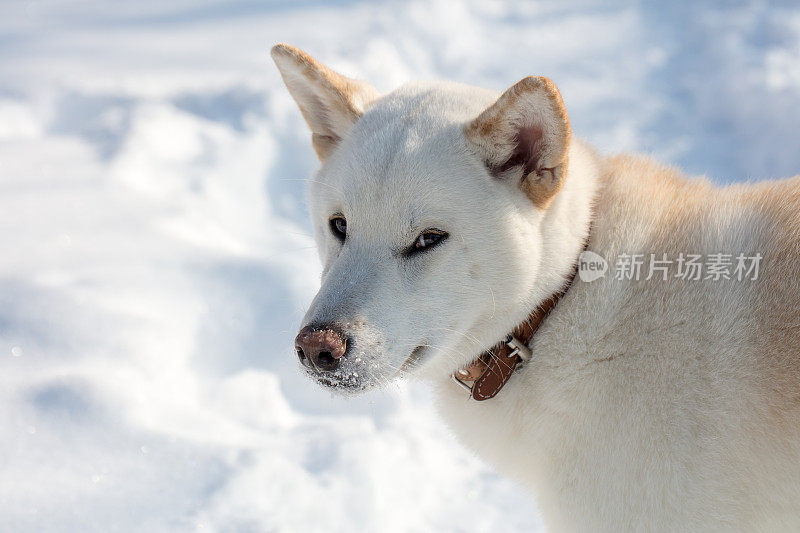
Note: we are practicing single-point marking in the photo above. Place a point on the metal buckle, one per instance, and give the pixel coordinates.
(518, 348)
(458, 380)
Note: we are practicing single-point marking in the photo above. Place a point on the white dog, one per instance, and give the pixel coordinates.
(661, 390)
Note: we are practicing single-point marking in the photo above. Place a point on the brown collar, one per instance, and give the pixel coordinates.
(493, 368)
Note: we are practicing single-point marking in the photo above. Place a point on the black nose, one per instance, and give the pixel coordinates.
(320, 347)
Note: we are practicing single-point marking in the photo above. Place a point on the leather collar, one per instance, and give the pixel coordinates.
(493, 368)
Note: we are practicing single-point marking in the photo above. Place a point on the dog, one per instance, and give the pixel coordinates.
(638, 395)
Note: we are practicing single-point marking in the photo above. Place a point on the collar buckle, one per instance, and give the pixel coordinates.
(462, 383)
(518, 348)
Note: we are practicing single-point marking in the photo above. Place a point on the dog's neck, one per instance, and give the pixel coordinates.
(564, 233)
(485, 376)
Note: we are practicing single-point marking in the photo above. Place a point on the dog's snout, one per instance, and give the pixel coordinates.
(320, 347)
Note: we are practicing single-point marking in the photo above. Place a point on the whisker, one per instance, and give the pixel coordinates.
(314, 181)
(467, 336)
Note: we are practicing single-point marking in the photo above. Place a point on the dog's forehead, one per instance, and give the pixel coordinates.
(408, 152)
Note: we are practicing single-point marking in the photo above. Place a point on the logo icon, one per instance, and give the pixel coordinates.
(591, 266)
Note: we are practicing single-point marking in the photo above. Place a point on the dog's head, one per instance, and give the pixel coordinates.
(428, 214)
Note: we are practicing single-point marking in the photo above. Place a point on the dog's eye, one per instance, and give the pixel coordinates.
(339, 227)
(427, 239)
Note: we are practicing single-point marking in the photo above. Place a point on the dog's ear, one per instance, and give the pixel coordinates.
(524, 136)
(330, 103)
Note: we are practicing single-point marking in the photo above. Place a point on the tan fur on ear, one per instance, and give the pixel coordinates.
(330, 103)
(525, 136)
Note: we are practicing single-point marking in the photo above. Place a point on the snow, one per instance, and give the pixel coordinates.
(158, 256)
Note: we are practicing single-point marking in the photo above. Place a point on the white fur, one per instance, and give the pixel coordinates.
(642, 409)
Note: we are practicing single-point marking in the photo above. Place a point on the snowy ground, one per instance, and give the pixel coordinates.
(158, 258)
